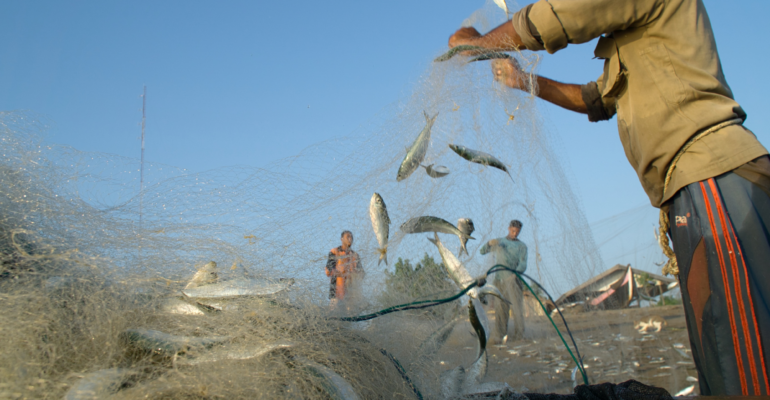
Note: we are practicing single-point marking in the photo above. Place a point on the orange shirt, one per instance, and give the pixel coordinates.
(342, 264)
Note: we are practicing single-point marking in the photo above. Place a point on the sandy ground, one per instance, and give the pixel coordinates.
(612, 351)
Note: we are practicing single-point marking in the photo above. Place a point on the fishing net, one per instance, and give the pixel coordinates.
(94, 270)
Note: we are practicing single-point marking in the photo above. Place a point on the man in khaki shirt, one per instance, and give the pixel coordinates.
(683, 134)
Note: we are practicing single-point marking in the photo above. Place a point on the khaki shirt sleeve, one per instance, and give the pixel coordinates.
(521, 24)
(560, 22)
(595, 104)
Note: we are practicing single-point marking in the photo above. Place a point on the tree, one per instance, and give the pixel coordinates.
(426, 279)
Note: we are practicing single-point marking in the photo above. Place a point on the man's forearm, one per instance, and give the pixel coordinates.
(504, 38)
(565, 95)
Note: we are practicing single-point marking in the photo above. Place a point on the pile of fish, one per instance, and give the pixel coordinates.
(151, 354)
(205, 293)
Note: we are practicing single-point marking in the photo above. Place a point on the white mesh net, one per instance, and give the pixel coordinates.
(93, 271)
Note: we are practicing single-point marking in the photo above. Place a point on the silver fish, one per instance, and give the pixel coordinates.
(433, 224)
(452, 382)
(454, 267)
(97, 385)
(475, 373)
(165, 343)
(439, 171)
(457, 271)
(460, 381)
(378, 212)
(479, 157)
(175, 305)
(458, 49)
(239, 287)
(205, 276)
(416, 153)
(334, 385)
(465, 225)
(480, 323)
(686, 391)
(238, 353)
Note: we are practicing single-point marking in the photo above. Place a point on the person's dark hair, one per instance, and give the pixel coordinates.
(344, 232)
(515, 223)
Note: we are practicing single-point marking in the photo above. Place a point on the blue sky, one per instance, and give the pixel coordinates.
(248, 83)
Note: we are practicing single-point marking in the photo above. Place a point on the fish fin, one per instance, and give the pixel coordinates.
(434, 241)
(501, 4)
(471, 237)
(427, 118)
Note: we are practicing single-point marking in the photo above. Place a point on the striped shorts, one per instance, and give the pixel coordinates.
(720, 229)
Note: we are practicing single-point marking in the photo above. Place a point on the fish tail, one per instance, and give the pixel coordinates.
(383, 255)
(434, 241)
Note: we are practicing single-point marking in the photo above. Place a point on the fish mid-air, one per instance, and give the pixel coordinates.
(479, 157)
(465, 225)
(378, 212)
(205, 276)
(416, 153)
(434, 224)
(459, 274)
(460, 381)
(439, 171)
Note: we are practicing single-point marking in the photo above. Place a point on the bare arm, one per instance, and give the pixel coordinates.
(503, 38)
(564, 95)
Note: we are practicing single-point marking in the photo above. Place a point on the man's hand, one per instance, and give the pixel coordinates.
(508, 72)
(492, 243)
(464, 36)
(502, 38)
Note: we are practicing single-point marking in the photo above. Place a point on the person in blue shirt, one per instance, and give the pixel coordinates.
(511, 252)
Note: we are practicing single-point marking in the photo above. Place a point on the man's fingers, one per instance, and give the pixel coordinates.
(463, 36)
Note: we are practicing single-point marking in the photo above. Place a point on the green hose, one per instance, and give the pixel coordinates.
(432, 303)
(547, 314)
(409, 306)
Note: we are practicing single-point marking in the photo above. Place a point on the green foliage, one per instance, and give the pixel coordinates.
(669, 301)
(426, 279)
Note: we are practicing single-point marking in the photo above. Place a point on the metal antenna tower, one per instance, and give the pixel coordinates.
(141, 170)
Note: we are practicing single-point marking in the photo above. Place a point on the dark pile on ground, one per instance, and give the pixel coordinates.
(612, 350)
